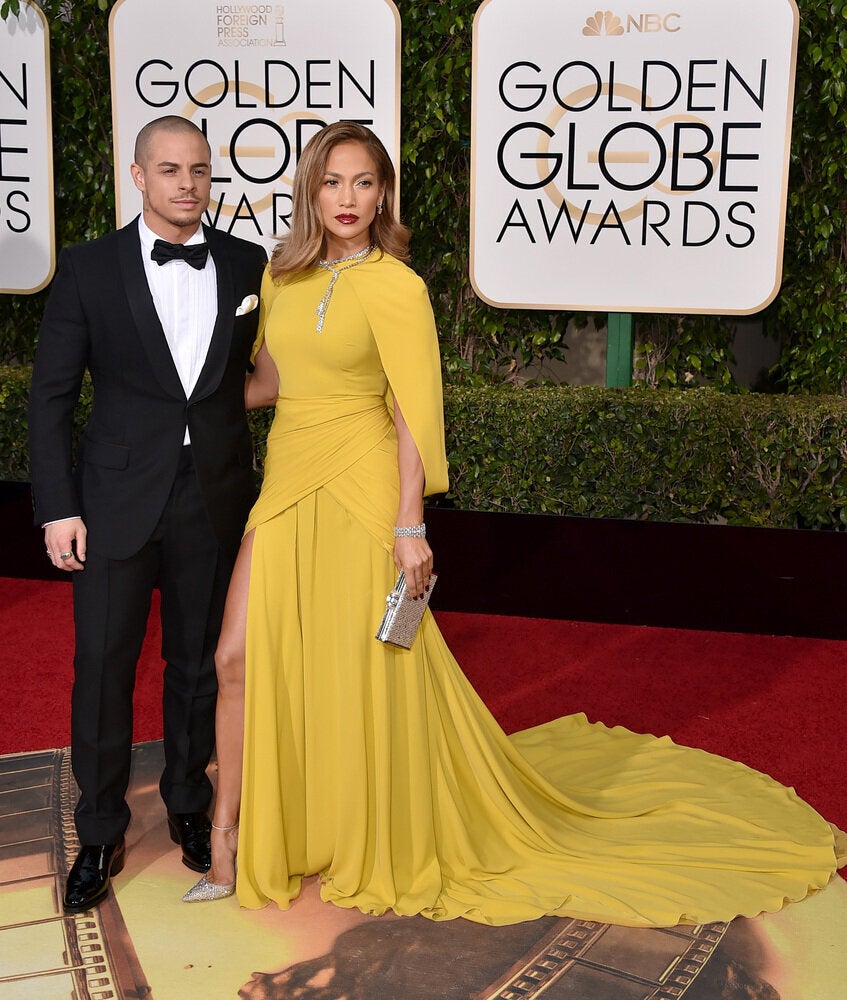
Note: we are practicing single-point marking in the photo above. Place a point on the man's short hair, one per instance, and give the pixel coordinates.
(168, 123)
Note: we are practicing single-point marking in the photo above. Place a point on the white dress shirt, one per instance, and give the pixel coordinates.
(186, 301)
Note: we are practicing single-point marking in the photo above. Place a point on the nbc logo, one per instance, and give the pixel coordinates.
(603, 23)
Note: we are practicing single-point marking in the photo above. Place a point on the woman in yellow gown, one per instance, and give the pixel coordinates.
(380, 768)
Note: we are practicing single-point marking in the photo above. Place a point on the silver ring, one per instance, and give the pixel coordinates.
(66, 555)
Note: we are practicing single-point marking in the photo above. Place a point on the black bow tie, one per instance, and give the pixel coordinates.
(195, 255)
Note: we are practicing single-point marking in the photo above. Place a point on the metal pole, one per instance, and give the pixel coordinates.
(619, 349)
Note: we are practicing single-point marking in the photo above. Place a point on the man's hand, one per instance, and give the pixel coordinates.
(65, 543)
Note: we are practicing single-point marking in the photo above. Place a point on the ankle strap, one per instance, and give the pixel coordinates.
(233, 827)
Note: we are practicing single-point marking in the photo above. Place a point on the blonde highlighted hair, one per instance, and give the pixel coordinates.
(301, 248)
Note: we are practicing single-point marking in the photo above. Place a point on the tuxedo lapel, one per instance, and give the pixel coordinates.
(144, 311)
(219, 348)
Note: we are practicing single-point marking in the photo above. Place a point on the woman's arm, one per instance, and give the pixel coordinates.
(262, 385)
(412, 555)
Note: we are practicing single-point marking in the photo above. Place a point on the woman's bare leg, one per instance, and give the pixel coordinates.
(229, 718)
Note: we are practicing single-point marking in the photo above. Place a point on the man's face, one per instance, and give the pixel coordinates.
(175, 181)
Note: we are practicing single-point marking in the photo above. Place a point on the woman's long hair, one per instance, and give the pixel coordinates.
(301, 248)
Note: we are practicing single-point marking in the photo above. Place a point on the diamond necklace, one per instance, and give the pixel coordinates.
(334, 268)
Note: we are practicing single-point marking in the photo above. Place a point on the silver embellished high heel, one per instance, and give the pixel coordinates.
(205, 891)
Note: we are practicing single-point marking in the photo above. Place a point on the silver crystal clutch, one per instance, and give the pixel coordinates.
(402, 614)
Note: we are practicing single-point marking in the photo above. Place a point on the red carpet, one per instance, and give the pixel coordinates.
(775, 703)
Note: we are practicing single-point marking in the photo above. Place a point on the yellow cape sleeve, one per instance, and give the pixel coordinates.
(269, 291)
(397, 305)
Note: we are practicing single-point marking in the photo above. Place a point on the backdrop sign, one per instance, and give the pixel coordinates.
(633, 159)
(27, 241)
(260, 80)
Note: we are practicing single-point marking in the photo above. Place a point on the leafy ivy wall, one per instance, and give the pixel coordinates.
(480, 343)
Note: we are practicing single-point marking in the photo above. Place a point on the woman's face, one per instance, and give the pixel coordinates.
(347, 199)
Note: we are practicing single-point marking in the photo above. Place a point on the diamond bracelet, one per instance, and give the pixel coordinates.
(415, 531)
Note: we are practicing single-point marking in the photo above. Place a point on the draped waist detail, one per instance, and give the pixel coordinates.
(313, 440)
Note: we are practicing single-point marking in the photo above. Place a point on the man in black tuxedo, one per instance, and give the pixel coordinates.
(162, 314)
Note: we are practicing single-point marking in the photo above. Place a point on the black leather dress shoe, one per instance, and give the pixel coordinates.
(191, 831)
(88, 879)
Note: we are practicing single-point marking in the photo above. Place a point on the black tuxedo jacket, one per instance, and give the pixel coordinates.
(100, 316)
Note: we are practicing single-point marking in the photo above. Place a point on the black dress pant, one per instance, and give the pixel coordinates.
(111, 608)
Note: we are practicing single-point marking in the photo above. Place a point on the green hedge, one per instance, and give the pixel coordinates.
(693, 455)
(676, 455)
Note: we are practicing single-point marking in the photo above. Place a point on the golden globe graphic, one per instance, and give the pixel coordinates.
(631, 160)
(259, 80)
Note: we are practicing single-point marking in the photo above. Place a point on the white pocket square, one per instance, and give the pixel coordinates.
(248, 304)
